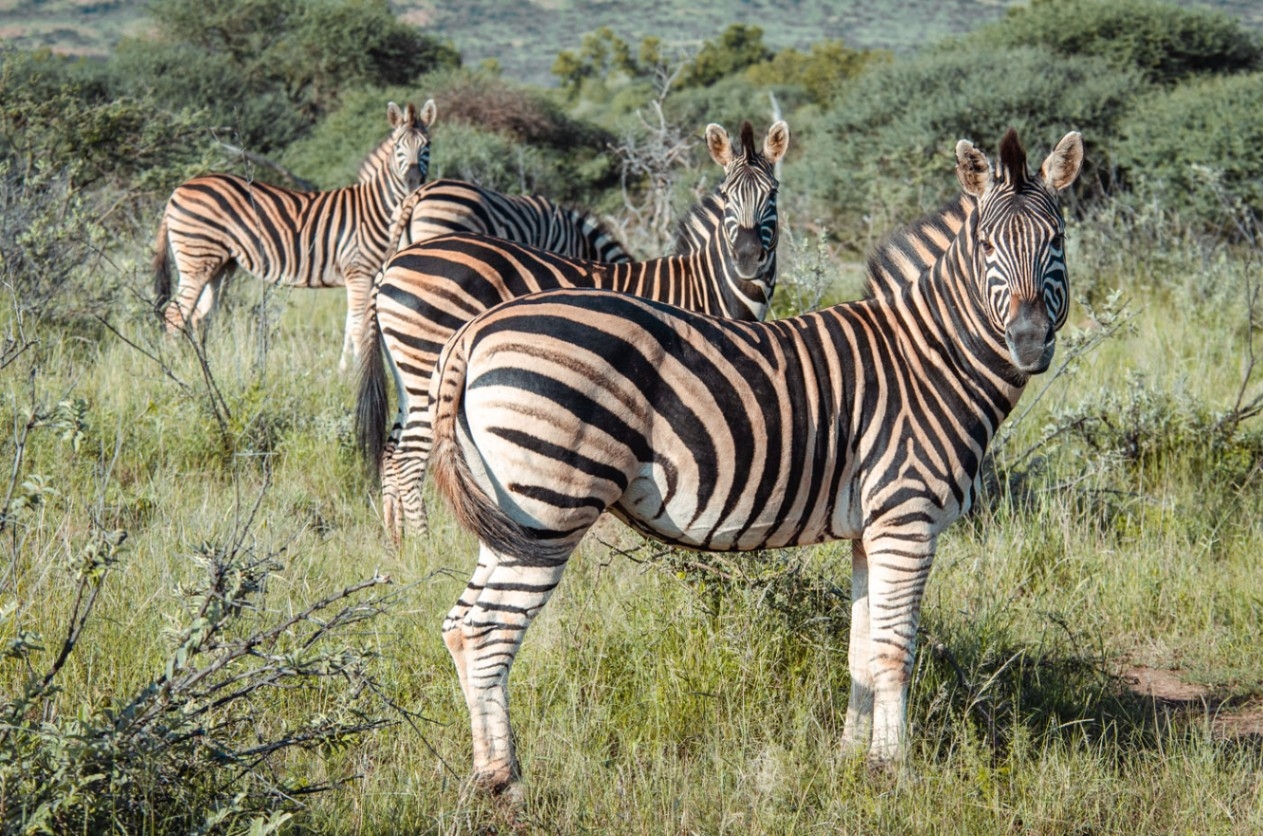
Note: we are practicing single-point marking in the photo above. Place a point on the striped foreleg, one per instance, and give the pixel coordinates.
(483, 632)
(895, 570)
(858, 730)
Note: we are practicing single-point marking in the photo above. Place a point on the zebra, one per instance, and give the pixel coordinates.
(865, 421)
(429, 289)
(446, 206)
(217, 222)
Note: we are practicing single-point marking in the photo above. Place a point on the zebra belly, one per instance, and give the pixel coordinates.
(666, 512)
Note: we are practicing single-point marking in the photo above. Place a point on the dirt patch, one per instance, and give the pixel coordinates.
(1230, 717)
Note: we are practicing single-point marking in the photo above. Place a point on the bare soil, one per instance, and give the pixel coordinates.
(1230, 717)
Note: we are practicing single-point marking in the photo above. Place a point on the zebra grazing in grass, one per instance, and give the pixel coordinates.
(217, 222)
(865, 421)
(726, 266)
(443, 207)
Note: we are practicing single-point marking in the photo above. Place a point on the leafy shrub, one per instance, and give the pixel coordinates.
(488, 130)
(1198, 149)
(819, 72)
(887, 147)
(48, 234)
(739, 46)
(61, 115)
(1165, 42)
(196, 748)
(267, 70)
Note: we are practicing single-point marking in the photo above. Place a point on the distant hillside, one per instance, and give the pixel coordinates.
(524, 36)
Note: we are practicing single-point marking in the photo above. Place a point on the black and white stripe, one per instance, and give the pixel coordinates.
(217, 222)
(444, 207)
(866, 421)
(727, 267)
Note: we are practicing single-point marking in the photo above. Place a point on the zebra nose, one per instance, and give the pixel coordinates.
(1031, 337)
(748, 250)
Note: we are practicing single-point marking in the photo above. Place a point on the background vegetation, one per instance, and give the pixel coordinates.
(203, 627)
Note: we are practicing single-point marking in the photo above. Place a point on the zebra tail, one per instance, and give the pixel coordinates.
(370, 401)
(473, 509)
(161, 269)
(401, 219)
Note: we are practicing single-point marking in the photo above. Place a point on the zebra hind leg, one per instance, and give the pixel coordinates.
(415, 443)
(483, 632)
(392, 515)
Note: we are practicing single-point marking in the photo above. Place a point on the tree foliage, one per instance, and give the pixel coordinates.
(1198, 148)
(739, 46)
(269, 69)
(821, 71)
(1163, 41)
(887, 141)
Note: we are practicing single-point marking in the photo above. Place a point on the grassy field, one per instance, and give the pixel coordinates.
(1089, 662)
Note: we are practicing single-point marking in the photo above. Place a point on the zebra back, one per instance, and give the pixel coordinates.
(446, 206)
(865, 421)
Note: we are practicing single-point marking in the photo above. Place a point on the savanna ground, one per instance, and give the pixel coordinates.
(1089, 661)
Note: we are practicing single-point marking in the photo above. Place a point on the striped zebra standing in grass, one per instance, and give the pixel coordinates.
(214, 223)
(865, 421)
(726, 267)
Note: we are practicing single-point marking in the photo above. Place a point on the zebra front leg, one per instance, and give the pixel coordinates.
(483, 643)
(898, 567)
(858, 729)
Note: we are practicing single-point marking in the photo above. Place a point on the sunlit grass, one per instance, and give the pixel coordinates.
(651, 697)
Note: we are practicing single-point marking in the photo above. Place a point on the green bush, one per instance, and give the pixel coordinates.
(1198, 149)
(501, 135)
(1163, 41)
(267, 70)
(884, 152)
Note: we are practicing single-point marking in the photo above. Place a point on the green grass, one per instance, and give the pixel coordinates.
(655, 697)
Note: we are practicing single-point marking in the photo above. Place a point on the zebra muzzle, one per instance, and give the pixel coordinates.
(1031, 338)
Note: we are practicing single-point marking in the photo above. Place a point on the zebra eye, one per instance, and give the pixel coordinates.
(988, 247)
(1059, 241)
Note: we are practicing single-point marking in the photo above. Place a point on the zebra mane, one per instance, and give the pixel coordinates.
(747, 141)
(1013, 159)
(704, 215)
(909, 251)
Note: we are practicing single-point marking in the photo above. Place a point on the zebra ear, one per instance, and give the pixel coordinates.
(777, 142)
(1064, 163)
(719, 144)
(395, 115)
(428, 113)
(973, 170)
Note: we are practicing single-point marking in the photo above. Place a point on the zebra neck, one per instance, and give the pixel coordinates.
(944, 309)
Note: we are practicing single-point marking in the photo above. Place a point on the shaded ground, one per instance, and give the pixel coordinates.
(1230, 716)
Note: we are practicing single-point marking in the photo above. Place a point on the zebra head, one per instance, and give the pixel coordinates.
(749, 195)
(1019, 236)
(410, 142)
